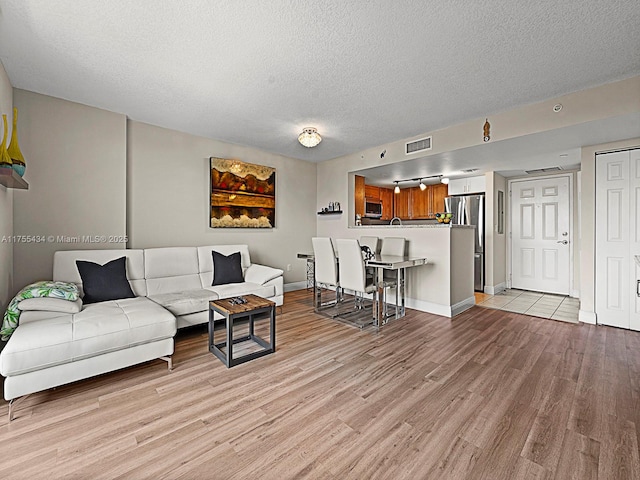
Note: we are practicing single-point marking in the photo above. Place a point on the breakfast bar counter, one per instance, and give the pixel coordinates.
(444, 285)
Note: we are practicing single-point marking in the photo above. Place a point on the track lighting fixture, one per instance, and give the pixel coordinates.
(422, 186)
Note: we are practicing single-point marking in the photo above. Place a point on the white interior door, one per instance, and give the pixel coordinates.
(541, 234)
(634, 260)
(618, 239)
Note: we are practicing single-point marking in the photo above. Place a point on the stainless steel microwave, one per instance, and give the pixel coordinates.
(373, 209)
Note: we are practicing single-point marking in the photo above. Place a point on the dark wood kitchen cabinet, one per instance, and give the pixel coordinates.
(386, 197)
(415, 204)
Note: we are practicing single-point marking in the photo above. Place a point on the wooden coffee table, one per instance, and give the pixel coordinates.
(231, 312)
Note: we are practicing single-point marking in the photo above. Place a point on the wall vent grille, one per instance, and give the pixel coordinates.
(417, 146)
(470, 170)
(543, 170)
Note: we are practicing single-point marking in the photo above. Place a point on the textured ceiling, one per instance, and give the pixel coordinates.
(364, 73)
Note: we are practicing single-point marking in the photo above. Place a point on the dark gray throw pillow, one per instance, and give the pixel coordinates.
(227, 268)
(104, 282)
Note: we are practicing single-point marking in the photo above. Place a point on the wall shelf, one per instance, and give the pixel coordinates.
(10, 179)
(335, 212)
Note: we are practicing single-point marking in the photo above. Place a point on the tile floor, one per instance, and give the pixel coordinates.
(545, 305)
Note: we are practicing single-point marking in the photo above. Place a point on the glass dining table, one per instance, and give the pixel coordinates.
(382, 263)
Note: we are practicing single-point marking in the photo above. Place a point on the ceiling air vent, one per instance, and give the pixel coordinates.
(543, 170)
(417, 146)
(470, 170)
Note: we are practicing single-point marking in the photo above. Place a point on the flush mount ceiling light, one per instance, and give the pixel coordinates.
(309, 137)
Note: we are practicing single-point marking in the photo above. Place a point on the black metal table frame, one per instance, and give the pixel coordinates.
(228, 359)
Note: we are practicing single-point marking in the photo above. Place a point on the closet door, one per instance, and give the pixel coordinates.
(634, 224)
(618, 239)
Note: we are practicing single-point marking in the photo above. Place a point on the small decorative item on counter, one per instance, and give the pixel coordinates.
(5, 159)
(444, 217)
(358, 219)
(15, 154)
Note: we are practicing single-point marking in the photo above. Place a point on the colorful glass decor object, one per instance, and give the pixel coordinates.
(5, 159)
(17, 159)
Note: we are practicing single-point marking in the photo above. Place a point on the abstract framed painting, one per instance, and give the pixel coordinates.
(243, 195)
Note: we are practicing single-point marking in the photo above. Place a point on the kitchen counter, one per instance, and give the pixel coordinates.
(444, 286)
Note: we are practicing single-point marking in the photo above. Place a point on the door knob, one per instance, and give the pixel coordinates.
(564, 242)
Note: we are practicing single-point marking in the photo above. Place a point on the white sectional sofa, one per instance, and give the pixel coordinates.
(172, 288)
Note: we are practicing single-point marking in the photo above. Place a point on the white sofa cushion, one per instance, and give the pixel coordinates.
(205, 260)
(171, 269)
(35, 315)
(245, 288)
(99, 328)
(261, 274)
(50, 304)
(184, 303)
(66, 270)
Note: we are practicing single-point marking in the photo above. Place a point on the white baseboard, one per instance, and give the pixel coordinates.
(421, 305)
(290, 287)
(448, 311)
(460, 307)
(585, 316)
(574, 294)
(495, 289)
(428, 307)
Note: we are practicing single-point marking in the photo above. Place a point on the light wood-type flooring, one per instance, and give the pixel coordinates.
(487, 395)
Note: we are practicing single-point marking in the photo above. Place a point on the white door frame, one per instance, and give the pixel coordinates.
(509, 222)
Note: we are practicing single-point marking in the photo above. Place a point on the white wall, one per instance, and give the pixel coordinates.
(168, 197)
(6, 203)
(92, 173)
(76, 167)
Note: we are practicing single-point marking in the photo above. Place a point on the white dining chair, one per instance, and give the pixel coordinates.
(374, 245)
(325, 271)
(393, 246)
(352, 271)
(371, 242)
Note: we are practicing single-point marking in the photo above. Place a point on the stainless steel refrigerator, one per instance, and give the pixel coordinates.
(469, 210)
